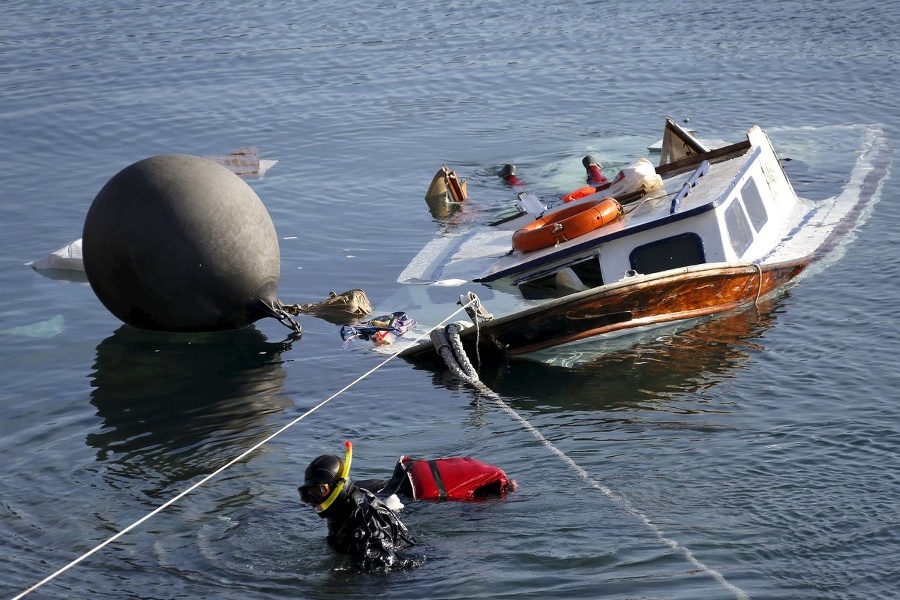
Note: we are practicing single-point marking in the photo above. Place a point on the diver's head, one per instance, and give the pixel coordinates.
(589, 160)
(326, 479)
(507, 171)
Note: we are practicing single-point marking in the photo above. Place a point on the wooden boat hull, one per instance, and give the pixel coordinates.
(680, 294)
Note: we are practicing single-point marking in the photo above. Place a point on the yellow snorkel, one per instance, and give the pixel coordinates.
(340, 481)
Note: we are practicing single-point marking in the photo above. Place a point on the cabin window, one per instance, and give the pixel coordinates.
(670, 253)
(544, 286)
(753, 203)
(738, 228)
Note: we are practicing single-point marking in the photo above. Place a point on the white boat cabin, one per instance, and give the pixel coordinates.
(730, 205)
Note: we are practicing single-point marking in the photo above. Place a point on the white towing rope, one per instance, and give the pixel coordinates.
(449, 346)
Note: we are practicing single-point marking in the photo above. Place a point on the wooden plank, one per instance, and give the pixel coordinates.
(713, 156)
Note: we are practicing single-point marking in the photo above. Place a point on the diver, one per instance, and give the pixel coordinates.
(367, 528)
(508, 175)
(359, 524)
(594, 170)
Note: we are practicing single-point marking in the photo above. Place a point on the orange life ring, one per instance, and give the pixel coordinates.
(565, 224)
(579, 193)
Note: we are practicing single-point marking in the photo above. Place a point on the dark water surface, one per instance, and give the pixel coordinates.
(753, 456)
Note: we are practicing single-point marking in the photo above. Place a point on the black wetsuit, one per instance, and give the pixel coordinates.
(360, 525)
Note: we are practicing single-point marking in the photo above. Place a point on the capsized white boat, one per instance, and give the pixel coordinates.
(705, 232)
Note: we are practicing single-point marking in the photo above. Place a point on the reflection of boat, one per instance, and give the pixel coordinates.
(162, 395)
(665, 364)
(715, 230)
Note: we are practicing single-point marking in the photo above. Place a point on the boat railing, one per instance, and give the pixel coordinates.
(692, 181)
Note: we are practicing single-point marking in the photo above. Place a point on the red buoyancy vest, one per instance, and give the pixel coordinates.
(595, 175)
(514, 181)
(453, 478)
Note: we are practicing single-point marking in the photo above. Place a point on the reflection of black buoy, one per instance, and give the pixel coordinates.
(180, 243)
(176, 403)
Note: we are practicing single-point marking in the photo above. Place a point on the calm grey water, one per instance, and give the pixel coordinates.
(754, 456)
